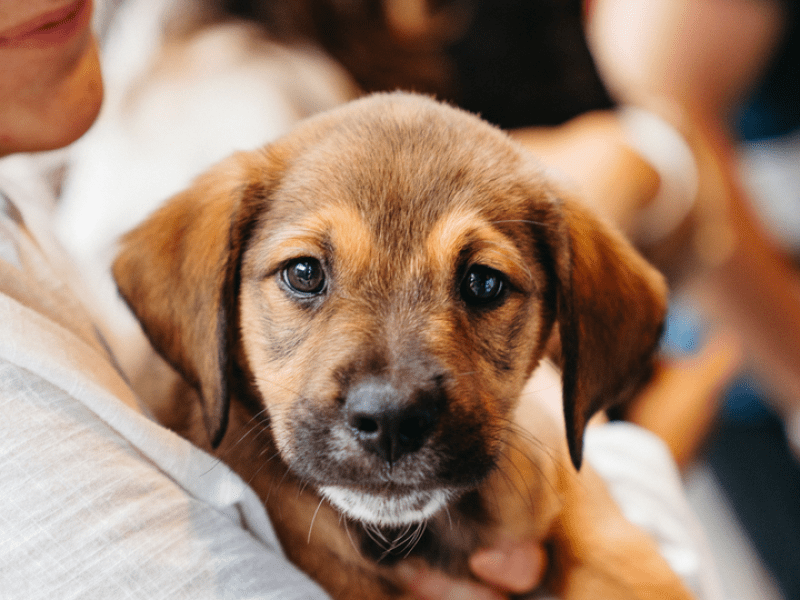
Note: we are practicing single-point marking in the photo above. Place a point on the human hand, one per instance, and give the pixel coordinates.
(507, 567)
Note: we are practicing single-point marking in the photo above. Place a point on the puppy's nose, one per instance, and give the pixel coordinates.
(388, 423)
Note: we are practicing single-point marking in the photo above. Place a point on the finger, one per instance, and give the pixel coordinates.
(513, 566)
(427, 584)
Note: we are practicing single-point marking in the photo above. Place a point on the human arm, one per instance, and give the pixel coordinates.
(673, 57)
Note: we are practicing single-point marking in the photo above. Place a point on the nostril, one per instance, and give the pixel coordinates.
(364, 424)
(388, 422)
(412, 430)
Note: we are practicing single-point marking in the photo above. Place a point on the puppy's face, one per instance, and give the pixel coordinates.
(392, 305)
(386, 278)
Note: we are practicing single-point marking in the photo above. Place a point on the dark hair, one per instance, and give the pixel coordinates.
(516, 62)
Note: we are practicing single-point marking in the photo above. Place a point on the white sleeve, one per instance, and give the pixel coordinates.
(86, 514)
(644, 481)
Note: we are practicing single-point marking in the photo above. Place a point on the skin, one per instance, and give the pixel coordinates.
(50, 89)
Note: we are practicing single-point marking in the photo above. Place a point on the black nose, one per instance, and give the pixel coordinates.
(388, 422)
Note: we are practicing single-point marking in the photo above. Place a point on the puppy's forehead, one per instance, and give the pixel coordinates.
(399, 166)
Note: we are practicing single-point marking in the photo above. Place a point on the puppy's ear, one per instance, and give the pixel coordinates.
(179, 271)
(610, 311)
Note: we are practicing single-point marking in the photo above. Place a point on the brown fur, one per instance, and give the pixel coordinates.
(397, 197)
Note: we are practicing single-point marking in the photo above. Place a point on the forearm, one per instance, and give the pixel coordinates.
(593, 156)
(753, 289)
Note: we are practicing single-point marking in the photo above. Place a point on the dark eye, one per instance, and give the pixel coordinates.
(482, 285)
(305, 275)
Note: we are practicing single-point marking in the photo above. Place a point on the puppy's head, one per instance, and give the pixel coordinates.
(385, 279)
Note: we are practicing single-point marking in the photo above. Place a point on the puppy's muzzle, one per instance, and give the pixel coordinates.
(391, 423)
(394, 452)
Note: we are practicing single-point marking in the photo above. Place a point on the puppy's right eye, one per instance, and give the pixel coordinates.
(305, 276)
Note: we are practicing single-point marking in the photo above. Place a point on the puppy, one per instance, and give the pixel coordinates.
(362, 303)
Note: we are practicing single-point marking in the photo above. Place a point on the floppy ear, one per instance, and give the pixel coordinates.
(610, 311)
(179, 271)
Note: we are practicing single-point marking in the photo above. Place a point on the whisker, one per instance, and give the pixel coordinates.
(344, 524)
(375, 536)
(416, 537)
(263, 379)
(449, 516)
(545, 450)
(313, 519)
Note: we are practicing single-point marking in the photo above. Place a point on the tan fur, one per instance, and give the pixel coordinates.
(397, 197)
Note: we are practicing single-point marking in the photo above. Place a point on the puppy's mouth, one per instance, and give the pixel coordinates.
(389, 510)
(379, 467)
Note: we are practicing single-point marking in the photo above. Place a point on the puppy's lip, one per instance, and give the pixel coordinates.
(393, 510)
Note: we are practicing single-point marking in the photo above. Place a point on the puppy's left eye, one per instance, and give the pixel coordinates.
(482, 285)
(304, 275)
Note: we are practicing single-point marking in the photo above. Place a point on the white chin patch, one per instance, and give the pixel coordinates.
(386, 511)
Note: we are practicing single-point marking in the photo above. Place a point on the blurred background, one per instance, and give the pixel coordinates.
(677, 120)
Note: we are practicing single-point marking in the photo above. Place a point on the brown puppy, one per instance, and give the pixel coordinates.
(363, 302)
